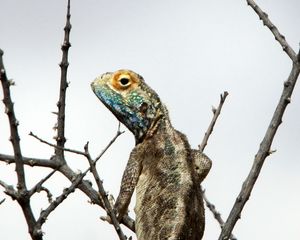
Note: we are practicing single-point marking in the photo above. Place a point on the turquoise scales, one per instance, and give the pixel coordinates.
(162, 167)
(135, 110)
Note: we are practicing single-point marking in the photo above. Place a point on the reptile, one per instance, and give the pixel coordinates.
(163, 169)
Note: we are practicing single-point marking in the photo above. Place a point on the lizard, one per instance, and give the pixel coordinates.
(163, 169)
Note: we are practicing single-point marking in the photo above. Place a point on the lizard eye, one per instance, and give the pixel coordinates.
(124, 81)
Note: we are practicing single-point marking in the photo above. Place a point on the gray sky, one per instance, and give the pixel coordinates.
(189, 52)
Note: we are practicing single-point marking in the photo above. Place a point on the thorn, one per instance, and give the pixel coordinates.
(213, 109)
(16, 123)
(2, 201)
(11, 82)
(272, 151)
(55, 127)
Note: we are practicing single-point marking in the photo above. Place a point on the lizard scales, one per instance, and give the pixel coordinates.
(162, 167)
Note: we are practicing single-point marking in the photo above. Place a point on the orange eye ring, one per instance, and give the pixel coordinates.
(123, 80)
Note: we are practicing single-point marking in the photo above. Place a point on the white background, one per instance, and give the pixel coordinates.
(189, 52)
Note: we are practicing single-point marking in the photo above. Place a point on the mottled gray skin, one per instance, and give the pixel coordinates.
(162, 167)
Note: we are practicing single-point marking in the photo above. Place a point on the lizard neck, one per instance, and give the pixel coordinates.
(160, 124)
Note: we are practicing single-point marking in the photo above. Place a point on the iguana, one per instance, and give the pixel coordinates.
(162, 167)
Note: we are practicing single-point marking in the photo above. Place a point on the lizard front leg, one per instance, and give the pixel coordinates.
(202, 164)
(129, 181)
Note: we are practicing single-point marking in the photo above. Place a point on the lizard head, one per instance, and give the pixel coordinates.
(130, 99)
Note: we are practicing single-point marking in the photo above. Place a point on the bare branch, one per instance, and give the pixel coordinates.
(84, 186)
(9, 190)
(58, 147)
(278, 36)
(38, 187)
(54, 204)
(13, 123)
(109, 144)
(263, 152)
(60, 139)
(77, 181)
(21, 196)
(202, 146)
(103, 194)
(216, 214)
(2, 201)
(216, 113)
(31, 161)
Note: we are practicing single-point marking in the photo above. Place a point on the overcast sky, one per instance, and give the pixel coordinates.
(189, 52)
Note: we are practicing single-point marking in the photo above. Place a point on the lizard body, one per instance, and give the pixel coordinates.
(162, 167)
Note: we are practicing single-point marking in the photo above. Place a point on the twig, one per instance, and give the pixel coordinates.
(216, 113)
(2, 201)
(76, 179)
(110, 143)
(21, 196)
(278, 36)
(31, 161)
(103, 194)
(215, 212)
(66, 192)
(202, 146)
(263, 152)
(13, 123)
(60, 139)
(57, 147)
(38, 187)
(85, 187)
(9, 190)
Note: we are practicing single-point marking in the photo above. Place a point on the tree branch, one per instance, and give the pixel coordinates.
(57, 147)
(13, 123)
(263, 152)
(278, 36)
(38, 187)
(66, 192)
(216, 113)
(21, 195)
(103, 195)
(202, 146)
(31, 161)
(84, 186)
(60, 139)
(9, 190)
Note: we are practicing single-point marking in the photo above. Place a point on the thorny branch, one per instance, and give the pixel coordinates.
(21, 194)
(39, 187)
(60, 139)
(84, 186)
(265, 146)
(57, 162)
(103, 194)
(39, 162)
(57, 147)
(278, 36)
(13, 123)
(9, 190)
(216, 113)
